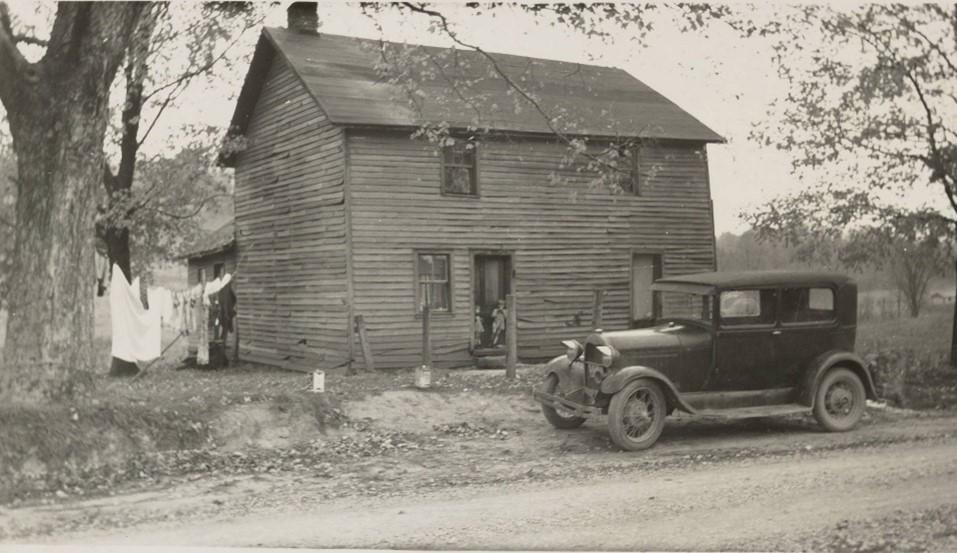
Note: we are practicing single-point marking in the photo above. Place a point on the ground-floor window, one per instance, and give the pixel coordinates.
(434, 285)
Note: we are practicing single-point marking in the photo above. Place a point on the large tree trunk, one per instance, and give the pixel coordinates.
(57, 109)
(49, 344)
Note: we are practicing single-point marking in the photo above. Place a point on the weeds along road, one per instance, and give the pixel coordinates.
(725, 487)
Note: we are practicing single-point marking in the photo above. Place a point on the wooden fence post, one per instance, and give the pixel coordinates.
(511, 337)
(426, 336)
(598, 307)
(364, 342)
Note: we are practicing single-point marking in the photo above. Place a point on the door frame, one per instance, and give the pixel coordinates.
(473, 254)
(659, 256)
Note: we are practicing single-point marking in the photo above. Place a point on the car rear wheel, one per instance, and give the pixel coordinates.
(559, 418)
(637, 414)
(839, 404)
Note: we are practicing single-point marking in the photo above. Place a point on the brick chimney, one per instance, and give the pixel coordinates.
(303, 17)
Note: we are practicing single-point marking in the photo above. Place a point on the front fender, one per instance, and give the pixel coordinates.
(827, 360)
(616, 382)
(571, 376)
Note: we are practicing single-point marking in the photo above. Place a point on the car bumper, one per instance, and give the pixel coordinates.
(558, 402)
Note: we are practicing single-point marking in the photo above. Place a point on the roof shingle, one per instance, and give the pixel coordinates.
(340, 73)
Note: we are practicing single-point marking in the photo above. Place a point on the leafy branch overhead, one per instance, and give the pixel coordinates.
(476, 82)
(872, 95)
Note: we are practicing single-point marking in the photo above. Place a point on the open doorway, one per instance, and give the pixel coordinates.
(492, 281)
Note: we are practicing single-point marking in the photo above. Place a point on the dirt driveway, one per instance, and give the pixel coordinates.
(507, 480)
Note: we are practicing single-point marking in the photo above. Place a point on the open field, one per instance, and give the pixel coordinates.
(927, 334)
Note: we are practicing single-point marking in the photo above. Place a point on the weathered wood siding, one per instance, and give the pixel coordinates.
(566, 239)
(290, 230)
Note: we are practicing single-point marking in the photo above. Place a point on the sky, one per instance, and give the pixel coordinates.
(724, 81)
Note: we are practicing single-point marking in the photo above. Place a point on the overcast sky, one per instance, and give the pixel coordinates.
(723, 80)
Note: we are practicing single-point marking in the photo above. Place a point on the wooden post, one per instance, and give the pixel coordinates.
(511, 337)
(202, 323)
(598, 307)
(426, 336)
(364, 343)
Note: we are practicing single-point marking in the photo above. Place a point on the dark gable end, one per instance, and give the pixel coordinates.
(339, 73)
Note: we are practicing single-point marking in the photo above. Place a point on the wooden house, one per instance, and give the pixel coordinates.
(339, 212)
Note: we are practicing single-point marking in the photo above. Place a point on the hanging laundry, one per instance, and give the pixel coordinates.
(102, 265)
(202, 332)
(162, 301)
(227, 308)
(137, 332)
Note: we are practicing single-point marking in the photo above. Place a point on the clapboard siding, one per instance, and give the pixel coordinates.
(566, 237)
(290, 230)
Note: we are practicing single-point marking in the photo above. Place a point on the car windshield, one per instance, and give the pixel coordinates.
(683, 305)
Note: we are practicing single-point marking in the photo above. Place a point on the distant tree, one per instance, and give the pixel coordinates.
(913, 246)
(871, 107)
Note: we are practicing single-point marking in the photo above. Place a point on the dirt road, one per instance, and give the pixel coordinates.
(746, 485)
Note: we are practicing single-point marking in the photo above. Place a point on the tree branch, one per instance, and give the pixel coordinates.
(14, 68)
(202, 205)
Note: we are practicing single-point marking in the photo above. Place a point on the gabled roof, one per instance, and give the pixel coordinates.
(340, 74)
(216, 241)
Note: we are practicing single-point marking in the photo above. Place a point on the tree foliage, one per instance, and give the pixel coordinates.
(469, 72)
(177, 49)
(870, 118)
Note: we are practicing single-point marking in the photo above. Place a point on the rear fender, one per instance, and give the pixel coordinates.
(825, 362)
(617, 381)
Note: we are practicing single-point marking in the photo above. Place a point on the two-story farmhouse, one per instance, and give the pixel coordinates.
(339, 212)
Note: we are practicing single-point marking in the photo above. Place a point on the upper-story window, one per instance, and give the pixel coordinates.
(626, 170)
(459, 174)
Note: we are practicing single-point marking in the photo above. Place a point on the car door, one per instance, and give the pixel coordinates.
(745, 342)
(808, 325)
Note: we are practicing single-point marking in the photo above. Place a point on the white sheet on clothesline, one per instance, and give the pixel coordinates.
(137, 332)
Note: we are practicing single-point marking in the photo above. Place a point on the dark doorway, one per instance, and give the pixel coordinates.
(493, 281)
(645, 270)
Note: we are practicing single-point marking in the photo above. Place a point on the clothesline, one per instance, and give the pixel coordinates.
(137, 329)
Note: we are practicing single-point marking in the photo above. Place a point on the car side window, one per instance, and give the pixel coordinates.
(807, 305)
(748, 307)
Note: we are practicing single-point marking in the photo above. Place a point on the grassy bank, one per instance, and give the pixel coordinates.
(909, 358)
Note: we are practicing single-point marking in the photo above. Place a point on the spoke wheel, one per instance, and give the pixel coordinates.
(558, 417)
(839, 402)
(636, 415)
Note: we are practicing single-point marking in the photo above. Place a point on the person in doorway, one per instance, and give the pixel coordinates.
(479, 326)
(499, 316)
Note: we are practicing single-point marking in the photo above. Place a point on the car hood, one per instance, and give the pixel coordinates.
(642, 344)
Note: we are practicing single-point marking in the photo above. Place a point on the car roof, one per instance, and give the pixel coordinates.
(705, 282)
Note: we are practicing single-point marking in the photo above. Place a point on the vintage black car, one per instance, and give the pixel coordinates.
(744, 344)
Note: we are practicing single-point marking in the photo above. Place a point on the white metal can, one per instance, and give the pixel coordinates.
(318, 381)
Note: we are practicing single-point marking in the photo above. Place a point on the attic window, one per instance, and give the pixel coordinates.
(626, 170)
(459, 172)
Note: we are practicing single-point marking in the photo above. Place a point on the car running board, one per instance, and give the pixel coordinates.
(752, 412)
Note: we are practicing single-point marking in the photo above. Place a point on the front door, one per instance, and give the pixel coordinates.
(493, 281)
(745, 345)
(645, 269)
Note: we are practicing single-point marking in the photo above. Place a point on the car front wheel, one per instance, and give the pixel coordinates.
(637, 414)
(560, 418)
(839, 404)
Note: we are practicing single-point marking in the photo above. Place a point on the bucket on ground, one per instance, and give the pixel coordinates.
(423, 377)
(318, 381)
